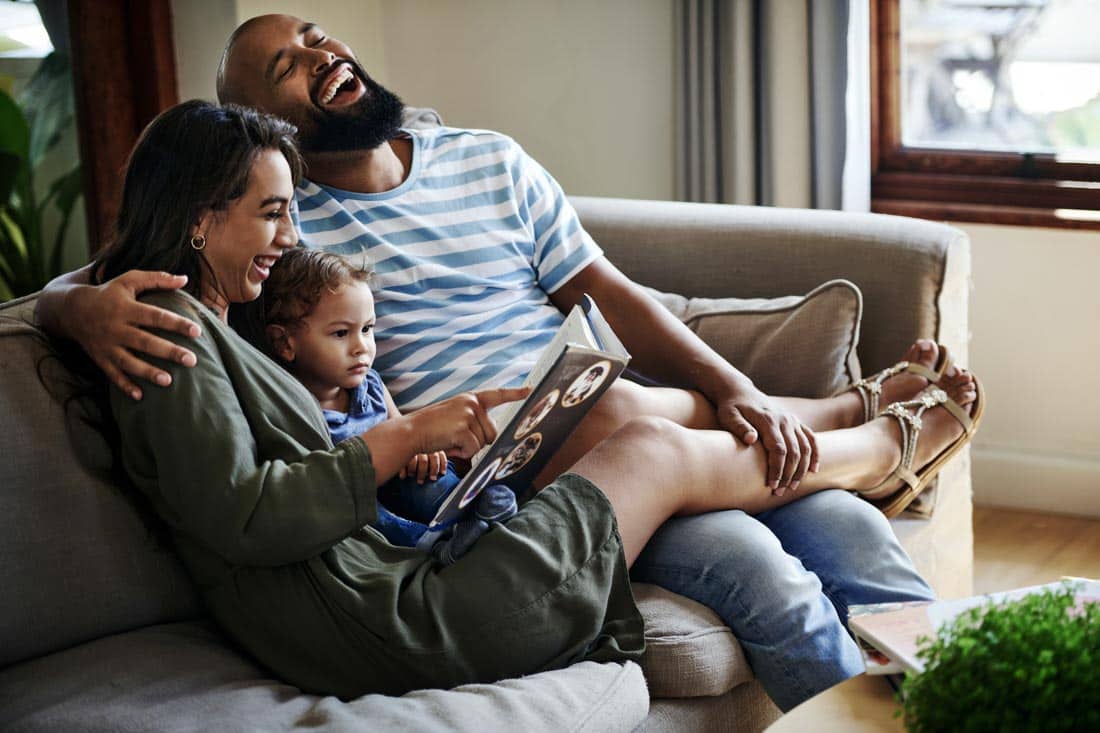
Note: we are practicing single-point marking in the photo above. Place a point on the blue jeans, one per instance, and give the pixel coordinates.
(783, 581)
(405, 507)
(418, 502)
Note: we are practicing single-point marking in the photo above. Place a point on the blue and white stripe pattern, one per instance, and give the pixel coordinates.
(465, 253)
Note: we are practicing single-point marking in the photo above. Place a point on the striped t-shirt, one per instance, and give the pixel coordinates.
(465, 252)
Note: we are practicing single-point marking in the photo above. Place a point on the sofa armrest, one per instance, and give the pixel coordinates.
(914, 274)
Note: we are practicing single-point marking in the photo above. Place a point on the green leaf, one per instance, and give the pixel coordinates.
(15, 133)
(14, 144)
(48, 104)
(1006, 667)
(14, 234)
(6, 273)
(11, 166)
(65, 191)
(13, 251)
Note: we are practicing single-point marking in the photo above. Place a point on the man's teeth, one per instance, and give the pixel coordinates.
(330, 91)
(265, 262)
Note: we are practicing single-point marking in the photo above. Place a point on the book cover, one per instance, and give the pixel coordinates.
(875, 661)
(576, 367)
(892, 629)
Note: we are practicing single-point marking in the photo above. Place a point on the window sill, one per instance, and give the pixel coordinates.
(989, 213)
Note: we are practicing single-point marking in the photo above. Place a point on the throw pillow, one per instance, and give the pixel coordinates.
(798, 345)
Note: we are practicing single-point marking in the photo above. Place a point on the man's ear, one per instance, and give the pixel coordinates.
(281, 340)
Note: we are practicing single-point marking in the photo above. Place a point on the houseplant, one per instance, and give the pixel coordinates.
(29, 129)
(1026, 665)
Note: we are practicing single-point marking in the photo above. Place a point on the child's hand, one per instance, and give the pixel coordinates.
(426, 466)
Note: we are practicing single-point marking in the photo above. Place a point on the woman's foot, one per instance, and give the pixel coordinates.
(894, 384)
(925, 427)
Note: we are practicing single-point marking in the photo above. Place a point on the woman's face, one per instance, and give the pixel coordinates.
(245, 240)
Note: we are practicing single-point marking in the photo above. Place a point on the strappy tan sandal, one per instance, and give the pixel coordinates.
(870, 388)
(908, 414)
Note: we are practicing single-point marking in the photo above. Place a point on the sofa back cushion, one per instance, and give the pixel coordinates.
(76, 561)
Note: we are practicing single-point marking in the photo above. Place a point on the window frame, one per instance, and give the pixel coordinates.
(959, 185)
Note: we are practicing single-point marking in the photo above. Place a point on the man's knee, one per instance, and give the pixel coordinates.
(850, 515)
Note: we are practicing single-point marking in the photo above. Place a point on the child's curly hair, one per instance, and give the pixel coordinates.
(299, 279)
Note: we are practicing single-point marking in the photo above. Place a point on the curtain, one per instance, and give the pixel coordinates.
(763, 99)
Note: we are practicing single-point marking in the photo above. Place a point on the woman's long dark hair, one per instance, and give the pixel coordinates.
(193, 158)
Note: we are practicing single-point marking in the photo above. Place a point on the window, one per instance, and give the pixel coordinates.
(987, 110)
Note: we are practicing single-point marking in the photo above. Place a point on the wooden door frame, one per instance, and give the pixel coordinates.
(124, 74)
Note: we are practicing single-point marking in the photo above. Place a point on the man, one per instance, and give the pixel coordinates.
(477, 255)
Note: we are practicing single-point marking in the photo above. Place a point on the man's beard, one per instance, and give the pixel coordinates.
(373, 120)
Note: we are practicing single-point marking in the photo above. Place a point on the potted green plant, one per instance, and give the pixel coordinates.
(28, 130)
(1032, 664)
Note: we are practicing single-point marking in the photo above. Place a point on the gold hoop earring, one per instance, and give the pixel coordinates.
(198, 242)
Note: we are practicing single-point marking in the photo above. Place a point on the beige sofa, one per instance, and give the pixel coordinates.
(102, 631)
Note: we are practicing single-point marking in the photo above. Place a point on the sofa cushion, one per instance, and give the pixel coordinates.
(184, 677)
(689, 652)
(799, 345)
(78, 563)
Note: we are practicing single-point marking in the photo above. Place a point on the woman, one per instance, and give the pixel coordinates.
(267, 514)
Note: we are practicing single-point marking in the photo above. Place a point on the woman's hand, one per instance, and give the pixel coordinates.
(112, 328)
(457, 427)
(461, 425)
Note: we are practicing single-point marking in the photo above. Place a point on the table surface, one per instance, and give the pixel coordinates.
(862, 703)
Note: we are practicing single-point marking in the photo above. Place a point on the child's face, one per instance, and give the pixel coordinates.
(334, 345)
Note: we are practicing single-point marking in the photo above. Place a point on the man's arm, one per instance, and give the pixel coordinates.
(651, 333)
(110, 323)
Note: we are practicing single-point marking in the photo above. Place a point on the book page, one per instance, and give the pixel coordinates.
(603, 336)
(895, 633)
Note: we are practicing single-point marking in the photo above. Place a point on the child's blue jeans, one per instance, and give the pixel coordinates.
(405, 508)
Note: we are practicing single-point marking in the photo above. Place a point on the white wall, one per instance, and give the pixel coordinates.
(585, 87)
(200, 29)
(1035, 319)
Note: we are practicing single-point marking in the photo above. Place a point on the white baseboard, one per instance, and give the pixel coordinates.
(1036, 482)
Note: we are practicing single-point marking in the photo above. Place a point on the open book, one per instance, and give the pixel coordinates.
(887, 632)
(574, 369)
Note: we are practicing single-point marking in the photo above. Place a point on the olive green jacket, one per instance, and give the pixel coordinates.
(270, 518)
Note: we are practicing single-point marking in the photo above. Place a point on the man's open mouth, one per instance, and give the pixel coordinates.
(340, 88)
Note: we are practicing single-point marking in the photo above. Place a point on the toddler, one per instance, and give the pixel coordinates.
(319, 321)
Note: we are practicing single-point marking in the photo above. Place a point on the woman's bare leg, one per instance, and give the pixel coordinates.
(845, 410)
(626, 400)
(652, 469)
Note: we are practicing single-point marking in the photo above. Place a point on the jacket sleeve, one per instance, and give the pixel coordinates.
(191, 449)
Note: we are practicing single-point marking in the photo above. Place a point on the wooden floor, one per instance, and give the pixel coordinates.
(1013, 549)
